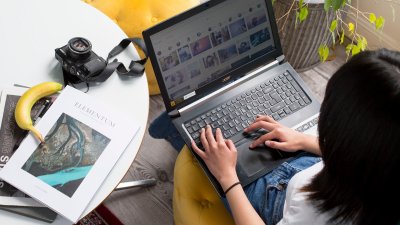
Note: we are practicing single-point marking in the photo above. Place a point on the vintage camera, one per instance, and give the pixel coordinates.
(78, 61)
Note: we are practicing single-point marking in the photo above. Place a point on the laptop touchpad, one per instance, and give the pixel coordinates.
(255, 160)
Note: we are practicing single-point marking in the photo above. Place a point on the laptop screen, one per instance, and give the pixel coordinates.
(202, 48)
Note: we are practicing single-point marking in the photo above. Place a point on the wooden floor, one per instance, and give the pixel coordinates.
(156, 158)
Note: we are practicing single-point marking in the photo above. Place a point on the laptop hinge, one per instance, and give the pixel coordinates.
(229, 86)
(281, 59)
(174, 113)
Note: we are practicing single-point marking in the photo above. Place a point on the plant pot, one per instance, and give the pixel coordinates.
(300, 42)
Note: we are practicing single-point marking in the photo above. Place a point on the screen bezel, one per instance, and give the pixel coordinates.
(219, 82)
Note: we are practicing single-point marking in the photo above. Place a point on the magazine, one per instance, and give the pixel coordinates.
(83, 140)
(12, 199)
(9, 132)
(10, 135)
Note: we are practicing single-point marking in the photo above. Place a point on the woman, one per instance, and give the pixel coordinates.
(359, 139)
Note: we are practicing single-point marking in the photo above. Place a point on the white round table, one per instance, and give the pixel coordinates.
(31, 30)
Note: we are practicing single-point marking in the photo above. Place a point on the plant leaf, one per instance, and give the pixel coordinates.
(333, 26)
(301, 4)
(365, 43)
(349, 47)
(351, 27)
(323, 52)
(336, 4)
(342, 37)
(372, 18)
(380, 22)
(327, 5)
(273, 2)
(303, 13)
(362, 43)
(355, 50)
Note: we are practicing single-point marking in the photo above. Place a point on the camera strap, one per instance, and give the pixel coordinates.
(135, 69)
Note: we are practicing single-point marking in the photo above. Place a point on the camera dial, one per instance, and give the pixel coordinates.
(79, 48)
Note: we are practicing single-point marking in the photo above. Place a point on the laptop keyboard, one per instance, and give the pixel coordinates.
(278, 97)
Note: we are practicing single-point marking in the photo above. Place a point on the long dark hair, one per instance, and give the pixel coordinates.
(359, 137)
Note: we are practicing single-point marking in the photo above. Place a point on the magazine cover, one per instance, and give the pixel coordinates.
(83, 140)
(9, 131)
(10, 136)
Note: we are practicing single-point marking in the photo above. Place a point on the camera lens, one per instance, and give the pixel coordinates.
(79, 48)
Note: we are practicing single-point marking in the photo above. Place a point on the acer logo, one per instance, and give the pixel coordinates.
(226, 79)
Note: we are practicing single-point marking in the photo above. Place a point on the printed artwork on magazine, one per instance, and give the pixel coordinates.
(70, 150)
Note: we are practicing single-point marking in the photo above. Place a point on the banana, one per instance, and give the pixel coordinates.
(27, 100)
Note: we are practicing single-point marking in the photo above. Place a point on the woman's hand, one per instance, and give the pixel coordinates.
(281, 137)
(220, 156)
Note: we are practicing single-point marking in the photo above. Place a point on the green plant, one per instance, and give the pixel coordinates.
(338, 27)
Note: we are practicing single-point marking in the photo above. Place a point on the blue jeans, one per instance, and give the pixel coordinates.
(266, 194)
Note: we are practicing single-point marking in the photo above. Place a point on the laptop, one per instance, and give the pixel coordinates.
(221, 63)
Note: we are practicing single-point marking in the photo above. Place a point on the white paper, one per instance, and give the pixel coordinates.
(84, 139)
(20, 201)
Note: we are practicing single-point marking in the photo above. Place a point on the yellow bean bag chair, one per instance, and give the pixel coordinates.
(195, 201)
(134, 16)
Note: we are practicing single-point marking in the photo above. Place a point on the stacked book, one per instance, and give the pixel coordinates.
(11, 136)
(83, 140)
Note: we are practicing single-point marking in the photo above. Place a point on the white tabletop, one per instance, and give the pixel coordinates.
(30, 30)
